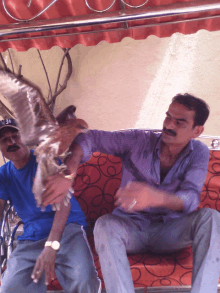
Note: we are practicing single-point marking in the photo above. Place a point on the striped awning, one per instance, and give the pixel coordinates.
(25, 23)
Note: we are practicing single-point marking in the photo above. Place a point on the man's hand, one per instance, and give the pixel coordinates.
(138, 196)
(45, 262)
(57, 188)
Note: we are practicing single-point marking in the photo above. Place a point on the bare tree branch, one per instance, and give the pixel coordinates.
(5, 112)
(66, 55)
(4, 64)
(48, 81)
(66, 51)
(19, 72)
(12, 65)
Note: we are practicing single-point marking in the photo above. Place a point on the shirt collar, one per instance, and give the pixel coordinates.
(188, 147)
(158, 145)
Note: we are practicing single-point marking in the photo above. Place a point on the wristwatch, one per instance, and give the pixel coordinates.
(53, 244)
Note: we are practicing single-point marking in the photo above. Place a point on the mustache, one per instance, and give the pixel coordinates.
(13, 148)
(169, 131)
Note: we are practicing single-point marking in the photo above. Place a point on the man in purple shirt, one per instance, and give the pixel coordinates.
(162, 177)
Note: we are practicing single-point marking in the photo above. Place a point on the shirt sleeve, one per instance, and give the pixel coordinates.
(114, 143)
(194, 179)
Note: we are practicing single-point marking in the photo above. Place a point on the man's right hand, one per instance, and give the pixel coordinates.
(45, 263)
(57, 188)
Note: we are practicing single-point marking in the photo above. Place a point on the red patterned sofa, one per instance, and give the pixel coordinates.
(95, 186)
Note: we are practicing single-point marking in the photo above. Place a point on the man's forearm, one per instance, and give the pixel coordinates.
(59, 222)
(74, 158)
(45, 262)
(172, 202)
(137, 196)
(165, 200)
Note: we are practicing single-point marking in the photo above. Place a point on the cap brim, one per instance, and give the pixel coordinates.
(9, 126)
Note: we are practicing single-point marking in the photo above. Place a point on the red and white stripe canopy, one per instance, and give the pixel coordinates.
(69, 22)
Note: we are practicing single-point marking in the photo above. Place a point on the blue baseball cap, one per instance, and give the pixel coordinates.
(8, 123)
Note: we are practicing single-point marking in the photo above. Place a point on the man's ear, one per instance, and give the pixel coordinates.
(198, 130)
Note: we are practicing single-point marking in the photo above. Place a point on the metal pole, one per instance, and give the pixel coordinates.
(44, 36)
(109, 17)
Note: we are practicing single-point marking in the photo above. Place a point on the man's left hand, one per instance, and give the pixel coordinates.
(45, 263)
(136, 196)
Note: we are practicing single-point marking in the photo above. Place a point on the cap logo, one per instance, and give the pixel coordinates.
(6, 122)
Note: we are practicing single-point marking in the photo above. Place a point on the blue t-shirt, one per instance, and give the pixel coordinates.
(16, 184)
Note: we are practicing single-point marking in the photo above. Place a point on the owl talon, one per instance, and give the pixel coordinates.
(43, 209)
(72, 191)
(66, 201)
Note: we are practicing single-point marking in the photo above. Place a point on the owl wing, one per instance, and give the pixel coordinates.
(33, 116)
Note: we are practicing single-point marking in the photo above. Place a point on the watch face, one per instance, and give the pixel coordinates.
(55, 245)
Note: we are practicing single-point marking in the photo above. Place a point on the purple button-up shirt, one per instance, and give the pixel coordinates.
(139, 151)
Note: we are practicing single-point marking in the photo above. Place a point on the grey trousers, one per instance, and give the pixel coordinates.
(115, 236)
(74, 265)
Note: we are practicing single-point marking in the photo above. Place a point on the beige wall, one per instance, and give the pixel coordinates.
(130, 84)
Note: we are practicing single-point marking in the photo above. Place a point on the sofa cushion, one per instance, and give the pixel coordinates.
(152, 270)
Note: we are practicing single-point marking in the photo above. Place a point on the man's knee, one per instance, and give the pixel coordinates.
(104, 224)
(205, 220)
(10, 282)
(87, 279)
(12, 287)
(20, 284)
(83, 271)
(208, 213)
(106, 232)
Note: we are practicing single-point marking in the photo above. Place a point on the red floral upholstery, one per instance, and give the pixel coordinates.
(95, 186)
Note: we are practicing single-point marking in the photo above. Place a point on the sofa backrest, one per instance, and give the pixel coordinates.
(210, 195)
(96, 184)
(98, 180)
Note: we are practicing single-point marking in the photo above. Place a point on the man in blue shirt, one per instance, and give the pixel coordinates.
(162, 177)
(52, 242)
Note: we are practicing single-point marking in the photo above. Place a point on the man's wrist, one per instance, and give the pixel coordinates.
(172, 202)
(163, 200)
(160, 197)
(55, 245)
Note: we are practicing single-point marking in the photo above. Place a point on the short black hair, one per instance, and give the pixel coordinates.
(200, 107)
